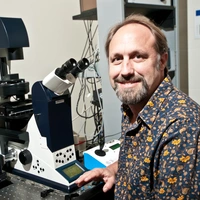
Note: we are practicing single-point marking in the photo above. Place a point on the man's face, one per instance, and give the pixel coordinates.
(135, 68)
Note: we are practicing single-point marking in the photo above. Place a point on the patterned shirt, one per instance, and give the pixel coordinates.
(160, 152)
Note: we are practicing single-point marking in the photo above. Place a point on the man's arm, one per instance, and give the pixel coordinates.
(113, 167)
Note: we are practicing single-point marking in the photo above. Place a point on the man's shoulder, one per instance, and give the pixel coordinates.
(182, 109)
(180, 99)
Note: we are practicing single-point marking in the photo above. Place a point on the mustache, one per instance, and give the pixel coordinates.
(128, 79)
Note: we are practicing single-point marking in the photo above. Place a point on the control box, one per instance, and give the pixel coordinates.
(92, 160)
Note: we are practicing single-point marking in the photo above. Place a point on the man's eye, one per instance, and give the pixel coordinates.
(138, 56)
(116, 60)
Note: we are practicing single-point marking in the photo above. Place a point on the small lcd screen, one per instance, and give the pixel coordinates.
(73, 170)
(115, 146)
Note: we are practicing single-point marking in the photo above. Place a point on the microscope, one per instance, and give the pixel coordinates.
(15, 113)
(36, 136)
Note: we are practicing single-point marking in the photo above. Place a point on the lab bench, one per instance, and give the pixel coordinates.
(18, 188)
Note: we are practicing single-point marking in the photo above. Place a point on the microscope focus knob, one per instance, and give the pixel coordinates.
(25, 157)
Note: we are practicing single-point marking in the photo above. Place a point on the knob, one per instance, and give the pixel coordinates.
(25, 157)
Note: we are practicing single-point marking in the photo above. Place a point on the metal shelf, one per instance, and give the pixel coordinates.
(87, 15)
(164, 16)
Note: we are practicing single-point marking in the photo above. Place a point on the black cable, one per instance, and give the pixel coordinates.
(87, 41)
(89, 38)
(89, 52)
(80, 93)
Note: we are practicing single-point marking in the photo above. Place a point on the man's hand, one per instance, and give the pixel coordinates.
(105, 174)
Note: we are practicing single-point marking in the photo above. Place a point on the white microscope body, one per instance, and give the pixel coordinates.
(49, 155)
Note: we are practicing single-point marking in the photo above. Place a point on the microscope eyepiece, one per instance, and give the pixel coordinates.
(66, 68)
(81, 66)
(71, 66)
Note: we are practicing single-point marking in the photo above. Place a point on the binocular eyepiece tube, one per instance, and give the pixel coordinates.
(71, 66)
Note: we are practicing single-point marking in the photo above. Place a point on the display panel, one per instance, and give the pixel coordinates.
(73, 170)
(115, 146)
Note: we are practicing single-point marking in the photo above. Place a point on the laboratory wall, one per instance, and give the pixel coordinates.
(54, 38)
(194, 49)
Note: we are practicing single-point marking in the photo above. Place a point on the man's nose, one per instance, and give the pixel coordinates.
(127, 68)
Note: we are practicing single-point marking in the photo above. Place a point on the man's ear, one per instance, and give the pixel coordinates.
(163, 60)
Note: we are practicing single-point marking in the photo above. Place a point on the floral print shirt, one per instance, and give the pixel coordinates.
(160, 153)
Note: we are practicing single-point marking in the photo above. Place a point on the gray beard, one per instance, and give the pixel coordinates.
(128, 96)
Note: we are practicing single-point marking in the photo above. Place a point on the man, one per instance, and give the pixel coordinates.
(159, 154)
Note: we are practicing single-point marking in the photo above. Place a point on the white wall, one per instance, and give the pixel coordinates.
(54, 38)
(193, 52)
